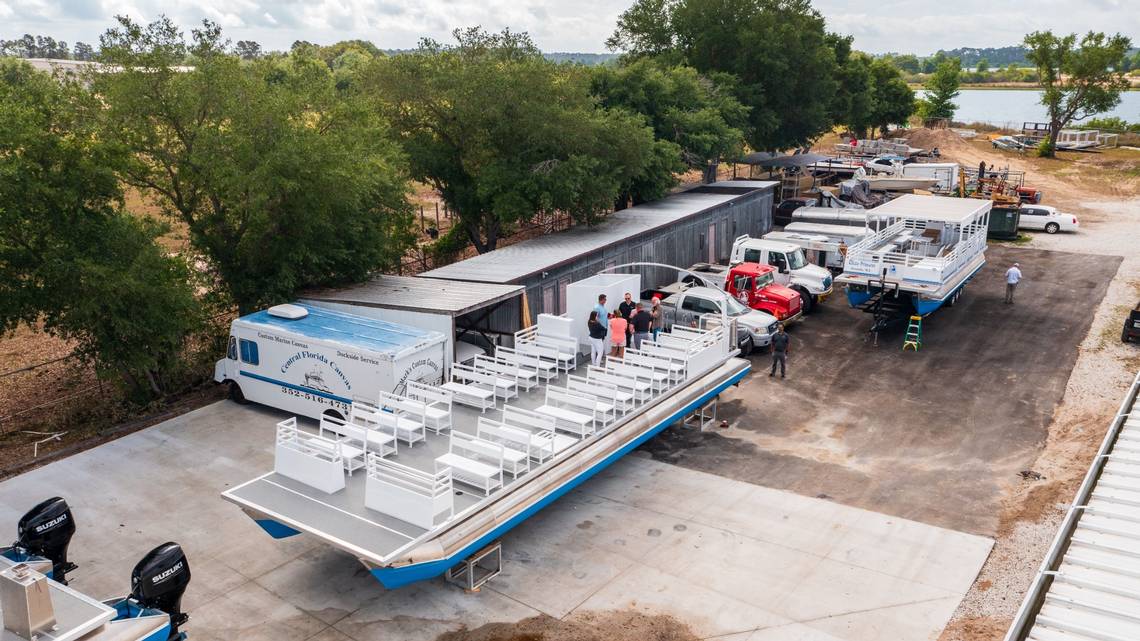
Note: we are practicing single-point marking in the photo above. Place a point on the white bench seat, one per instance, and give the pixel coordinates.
(471, 472)
(365, 434)
(477, 397)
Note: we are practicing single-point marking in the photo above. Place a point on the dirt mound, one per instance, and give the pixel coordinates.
(944, 139)
(605, 626)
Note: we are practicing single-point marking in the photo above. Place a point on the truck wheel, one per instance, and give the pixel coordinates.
(807, 299)
(1124, 335)
(236, 394)
(1052, 228)
(746, 346)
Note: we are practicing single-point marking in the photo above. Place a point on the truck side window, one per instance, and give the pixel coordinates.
(690, 304)
(232, 353)
(751, 255)
(777, 260)
(248, 351)
(742, 284)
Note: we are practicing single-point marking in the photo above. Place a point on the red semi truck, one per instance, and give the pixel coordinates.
(754, 285)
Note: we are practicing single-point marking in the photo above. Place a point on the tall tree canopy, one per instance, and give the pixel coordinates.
(503, 133)
(942, 89)
(698, 114)
(894, 100)
(1079, 79)
(783, 58)
(281, 181)
(69, 255)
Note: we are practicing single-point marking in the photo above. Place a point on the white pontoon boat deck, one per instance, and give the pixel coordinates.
(398, 551)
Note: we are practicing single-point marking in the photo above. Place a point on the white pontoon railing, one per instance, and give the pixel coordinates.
(869, 256)
(421, 498)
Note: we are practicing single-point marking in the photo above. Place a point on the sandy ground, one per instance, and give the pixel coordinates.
(1103, 190)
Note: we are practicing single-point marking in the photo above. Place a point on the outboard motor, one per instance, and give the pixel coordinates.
(46, 531)
(159, 580)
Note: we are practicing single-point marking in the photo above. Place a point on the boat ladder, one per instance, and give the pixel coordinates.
(913, 334)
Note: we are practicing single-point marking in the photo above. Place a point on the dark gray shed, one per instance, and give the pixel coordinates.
(697, 225)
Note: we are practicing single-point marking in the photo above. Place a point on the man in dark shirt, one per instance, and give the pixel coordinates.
(642, 321)
(626, 306)
(780, 344)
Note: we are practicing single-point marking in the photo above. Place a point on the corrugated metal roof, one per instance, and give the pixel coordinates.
(514, 263)
(433, 296)
(939, 208)
(1089, 585)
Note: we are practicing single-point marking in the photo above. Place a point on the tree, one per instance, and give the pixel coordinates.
(83, 51)
(503, 133)
(248, 49)
(70, 256)
(941, 90)
(282, 182)
(1078, 81)
(894, 100)
(983, 65)
(694, 112)
(779, 51)
(854, 102)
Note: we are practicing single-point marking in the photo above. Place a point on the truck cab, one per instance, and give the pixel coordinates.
(792, 269)
(754, 285)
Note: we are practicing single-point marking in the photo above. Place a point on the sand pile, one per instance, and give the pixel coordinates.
(944, 139)
(588, 626)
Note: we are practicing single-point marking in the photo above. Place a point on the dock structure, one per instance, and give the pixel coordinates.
(412, 508)
(1088, 587)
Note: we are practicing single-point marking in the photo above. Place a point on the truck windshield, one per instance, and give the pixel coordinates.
(763, 280)
(796, 259)
(734, 307)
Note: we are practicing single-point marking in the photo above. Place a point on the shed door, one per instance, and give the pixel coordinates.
(712, 243)
(548, 300)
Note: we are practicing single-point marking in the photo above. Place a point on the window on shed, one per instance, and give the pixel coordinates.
(248, 351)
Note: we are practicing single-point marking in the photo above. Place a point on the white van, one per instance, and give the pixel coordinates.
(312, 361)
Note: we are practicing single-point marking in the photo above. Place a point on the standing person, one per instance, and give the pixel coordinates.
(600, 310)
(619, 328)
(780, 343)
(1012, 278)
(656, 314)
(641, 322)
(597, 339)
(625, 308)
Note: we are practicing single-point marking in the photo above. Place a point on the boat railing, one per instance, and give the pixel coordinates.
(869, 256)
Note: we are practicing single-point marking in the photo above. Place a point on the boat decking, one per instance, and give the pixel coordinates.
(284, 506)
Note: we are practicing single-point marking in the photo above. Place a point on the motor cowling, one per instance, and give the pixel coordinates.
(159, 580)
(46, 531)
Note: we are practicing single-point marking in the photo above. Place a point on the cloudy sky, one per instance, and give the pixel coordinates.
(913, 26)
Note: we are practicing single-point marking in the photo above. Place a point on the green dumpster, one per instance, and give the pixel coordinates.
(1003, 223)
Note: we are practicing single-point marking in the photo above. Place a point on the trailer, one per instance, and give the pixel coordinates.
(437, 506)
(824, 245)
(312, 361)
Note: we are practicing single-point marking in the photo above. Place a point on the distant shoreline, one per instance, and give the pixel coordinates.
(1019, 86)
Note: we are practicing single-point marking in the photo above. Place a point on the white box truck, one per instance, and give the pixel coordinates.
(312, 361)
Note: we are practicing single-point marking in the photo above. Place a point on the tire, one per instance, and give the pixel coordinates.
(236, 394)
(1052, 228)
(746, 346)
(808, 300)
(1124, 335)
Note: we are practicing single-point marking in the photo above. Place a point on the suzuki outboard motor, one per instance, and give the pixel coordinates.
(159, 580)
(46, 531)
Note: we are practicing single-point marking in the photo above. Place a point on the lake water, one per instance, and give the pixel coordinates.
(1011, 107)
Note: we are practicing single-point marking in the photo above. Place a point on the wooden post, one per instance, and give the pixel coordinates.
(437, 214)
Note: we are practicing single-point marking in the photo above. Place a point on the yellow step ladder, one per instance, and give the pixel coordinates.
(913, 334)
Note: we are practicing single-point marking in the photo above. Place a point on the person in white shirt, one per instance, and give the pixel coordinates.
(1012, 278)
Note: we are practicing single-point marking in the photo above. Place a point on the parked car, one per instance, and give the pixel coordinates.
(686, 305)
(1046, 218)
(782, 213)
(1131, 325)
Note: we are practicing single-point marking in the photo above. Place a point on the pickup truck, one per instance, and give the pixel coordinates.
(687, 305)
(752, 284)
(792, 267)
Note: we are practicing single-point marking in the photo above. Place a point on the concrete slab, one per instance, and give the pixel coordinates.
(729, 559)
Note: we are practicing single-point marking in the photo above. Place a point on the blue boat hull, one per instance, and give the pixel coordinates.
(395, 577)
